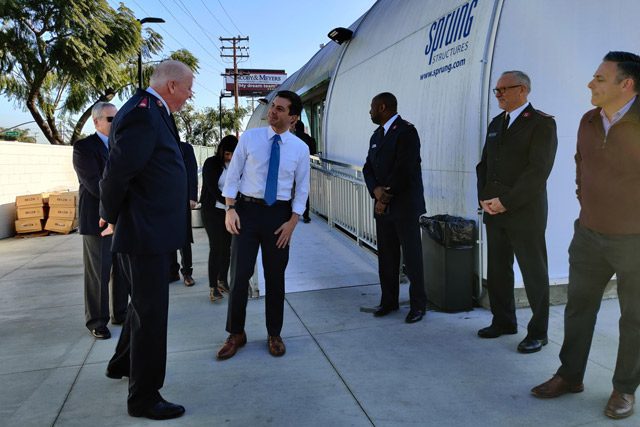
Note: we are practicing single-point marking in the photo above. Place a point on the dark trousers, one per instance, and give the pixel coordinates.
(593, 259)
(141, 351)
(119, 295)
(219, 245)
(258, 224)
(392, 236)
(306, 210)
(96, 254)
(530, 250)
(185, 258)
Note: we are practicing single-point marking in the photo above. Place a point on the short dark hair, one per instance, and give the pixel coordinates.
(296, 103)
(628, 66)
(299, 126)
(389, 100)
(228, 143)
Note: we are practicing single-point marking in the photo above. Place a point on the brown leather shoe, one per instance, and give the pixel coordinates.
(188, 280)
(231, 346)
(276, 346)
(555, 387)
(620, 405)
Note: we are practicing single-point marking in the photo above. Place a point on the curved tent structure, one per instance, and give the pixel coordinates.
(441, 59)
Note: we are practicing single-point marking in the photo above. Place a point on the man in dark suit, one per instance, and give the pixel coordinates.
(394, 179)
(89, 158)
(185, 252)
(144, 193)
(512, 189)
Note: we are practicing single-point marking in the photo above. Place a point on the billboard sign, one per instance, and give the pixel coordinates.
(252, 82)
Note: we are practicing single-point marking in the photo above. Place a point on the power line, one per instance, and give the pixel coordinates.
(225, 12)
(190, 35)
(214, 17)
(184, 8)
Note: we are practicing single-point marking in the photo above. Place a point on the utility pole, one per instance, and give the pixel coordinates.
(239, 52)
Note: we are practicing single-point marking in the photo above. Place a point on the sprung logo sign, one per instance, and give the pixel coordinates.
(447, 38)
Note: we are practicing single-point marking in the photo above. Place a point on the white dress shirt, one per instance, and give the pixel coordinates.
(249, 166)
(387, 125)
(516, 113)
(104, 138)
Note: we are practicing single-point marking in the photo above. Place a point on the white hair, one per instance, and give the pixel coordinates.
(169, 70)
(98, 108)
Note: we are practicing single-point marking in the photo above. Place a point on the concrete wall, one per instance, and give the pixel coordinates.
(37, 168)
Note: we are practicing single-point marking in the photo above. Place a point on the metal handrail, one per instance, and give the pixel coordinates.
(338, 193)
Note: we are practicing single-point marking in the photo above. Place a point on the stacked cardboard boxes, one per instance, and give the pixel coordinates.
(29, 213)
(62, 212)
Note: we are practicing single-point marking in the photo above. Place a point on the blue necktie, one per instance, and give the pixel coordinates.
(271, 190)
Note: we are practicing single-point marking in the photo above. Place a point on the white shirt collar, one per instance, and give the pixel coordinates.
(387, 125)
(271, 133)
(157, 95)
(516, 113)
(104, 138)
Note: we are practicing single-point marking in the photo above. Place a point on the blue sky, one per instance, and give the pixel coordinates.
(282, 35)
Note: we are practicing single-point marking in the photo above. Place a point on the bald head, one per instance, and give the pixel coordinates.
(173, 81)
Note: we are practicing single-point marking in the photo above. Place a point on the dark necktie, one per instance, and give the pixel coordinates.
(506, 123)
(271, 190)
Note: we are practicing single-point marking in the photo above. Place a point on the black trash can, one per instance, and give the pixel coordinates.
(447, 251)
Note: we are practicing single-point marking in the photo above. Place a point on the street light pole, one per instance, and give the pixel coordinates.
(144, 21)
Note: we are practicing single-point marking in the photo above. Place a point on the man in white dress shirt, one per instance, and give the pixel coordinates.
(265, 192)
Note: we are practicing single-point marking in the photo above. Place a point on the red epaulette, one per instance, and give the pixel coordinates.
(543, 114)
(144, 102)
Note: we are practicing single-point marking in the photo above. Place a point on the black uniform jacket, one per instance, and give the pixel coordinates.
(144, 187)
(89, 158)
(393, 161)
(515, 166)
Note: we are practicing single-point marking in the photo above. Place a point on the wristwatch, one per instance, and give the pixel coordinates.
(228, 207)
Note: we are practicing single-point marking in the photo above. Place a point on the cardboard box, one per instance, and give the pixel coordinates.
(28, 225)
(30, 212)
(59, 225)
(63, 212)
(29, 200)
(63, 199)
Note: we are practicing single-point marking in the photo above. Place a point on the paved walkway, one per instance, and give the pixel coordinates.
(342, 368)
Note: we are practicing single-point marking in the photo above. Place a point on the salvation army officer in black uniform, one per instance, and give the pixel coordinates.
(144, 193)
(393, 176)
(512, 189)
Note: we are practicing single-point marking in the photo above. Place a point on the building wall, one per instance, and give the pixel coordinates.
(37, 168)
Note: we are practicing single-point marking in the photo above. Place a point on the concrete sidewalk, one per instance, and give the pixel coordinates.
(343, 367)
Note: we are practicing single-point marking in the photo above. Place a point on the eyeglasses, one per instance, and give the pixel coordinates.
(109, 119)
(501, 90)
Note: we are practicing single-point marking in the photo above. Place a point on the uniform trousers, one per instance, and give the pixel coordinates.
(530, 249)
(593, 260)
(141, 352)
(97, 257)
(258, 223)
(186, 259)
(219, 244)
(392, 236)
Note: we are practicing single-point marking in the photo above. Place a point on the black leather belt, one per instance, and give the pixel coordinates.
(257, 201)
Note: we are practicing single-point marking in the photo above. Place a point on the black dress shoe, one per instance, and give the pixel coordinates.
(530, 345)
(174, 277)
(496, 331)
(383, 311)
(161, 410)
(114, 374)
(101, 333)
(414, 316)
(117, 321)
